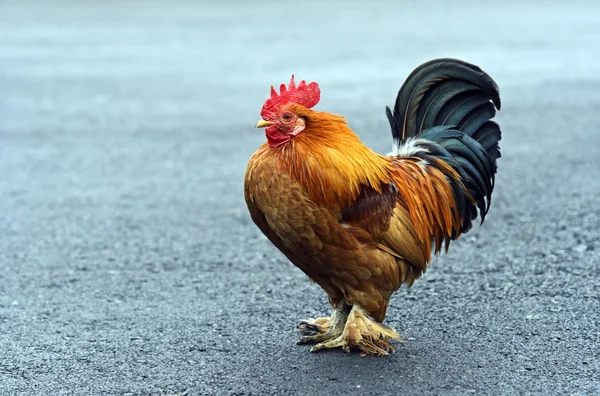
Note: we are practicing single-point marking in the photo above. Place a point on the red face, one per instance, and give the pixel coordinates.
(285, 125)
(278, 113)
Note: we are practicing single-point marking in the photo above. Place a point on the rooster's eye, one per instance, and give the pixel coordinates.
(287, 117)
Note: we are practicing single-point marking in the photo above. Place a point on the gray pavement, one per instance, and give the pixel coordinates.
(128, 263)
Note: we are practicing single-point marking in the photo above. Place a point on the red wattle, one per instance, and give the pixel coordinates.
(275, 137)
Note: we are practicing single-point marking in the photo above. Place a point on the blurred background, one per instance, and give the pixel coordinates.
(129, 265)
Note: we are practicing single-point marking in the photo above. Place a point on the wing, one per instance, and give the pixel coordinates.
(417, 208)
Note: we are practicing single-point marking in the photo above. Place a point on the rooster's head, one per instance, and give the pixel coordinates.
(281, 112)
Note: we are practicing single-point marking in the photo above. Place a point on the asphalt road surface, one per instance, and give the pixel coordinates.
(128, 262)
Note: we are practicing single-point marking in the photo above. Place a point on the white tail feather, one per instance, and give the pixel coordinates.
(409, 148)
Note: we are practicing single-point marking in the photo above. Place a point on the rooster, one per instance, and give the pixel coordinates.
(361, 224)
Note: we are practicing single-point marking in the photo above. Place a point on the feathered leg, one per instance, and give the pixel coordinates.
(362, 333)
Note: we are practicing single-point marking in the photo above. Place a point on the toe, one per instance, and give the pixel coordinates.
(331, 344)
(309, 324)
(313, 339)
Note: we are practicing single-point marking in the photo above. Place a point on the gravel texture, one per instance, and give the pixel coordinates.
(129, 264)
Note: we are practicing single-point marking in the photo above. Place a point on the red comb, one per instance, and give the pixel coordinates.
(303, 94)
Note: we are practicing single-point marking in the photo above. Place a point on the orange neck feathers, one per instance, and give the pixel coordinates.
(330, 162)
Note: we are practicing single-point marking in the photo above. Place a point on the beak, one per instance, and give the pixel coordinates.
(264, 124)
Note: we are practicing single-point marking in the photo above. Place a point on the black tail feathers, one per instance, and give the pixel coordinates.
(450, 103)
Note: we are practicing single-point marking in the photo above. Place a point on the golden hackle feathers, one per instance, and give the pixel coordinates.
(329, 160)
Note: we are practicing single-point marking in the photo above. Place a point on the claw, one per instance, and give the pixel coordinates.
(320, 325)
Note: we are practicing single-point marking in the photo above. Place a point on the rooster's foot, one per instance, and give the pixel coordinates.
(362, 333)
